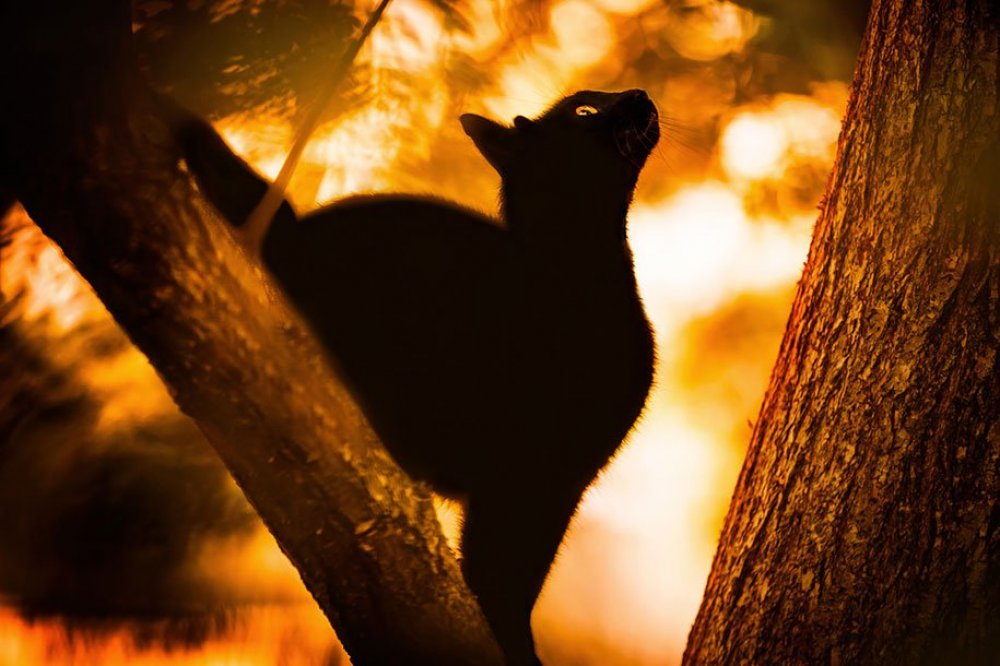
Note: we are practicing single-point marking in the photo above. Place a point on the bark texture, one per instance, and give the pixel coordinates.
(865, 525)
(98, 172)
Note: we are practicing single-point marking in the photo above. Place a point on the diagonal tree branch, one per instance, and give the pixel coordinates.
(99, 173)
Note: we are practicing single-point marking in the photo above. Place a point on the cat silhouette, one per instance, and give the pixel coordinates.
(502, 361)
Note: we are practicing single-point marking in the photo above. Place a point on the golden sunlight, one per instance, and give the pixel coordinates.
(582, 33)
(752, 146)
(734, 222)
(711, 30)
(294, 635)
(762, 143)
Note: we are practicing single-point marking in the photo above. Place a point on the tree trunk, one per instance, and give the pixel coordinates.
(99, 173)
(864, 525)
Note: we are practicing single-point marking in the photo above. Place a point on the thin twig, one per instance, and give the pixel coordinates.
(260, 219)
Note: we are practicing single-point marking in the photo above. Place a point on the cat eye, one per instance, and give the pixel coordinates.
(586, 110)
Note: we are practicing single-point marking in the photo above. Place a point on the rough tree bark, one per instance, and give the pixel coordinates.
(865, 525)
(98, 172)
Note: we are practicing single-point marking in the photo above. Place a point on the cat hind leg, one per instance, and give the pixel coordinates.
(508, 544)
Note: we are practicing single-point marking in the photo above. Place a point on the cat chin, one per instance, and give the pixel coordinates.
(637, 138)
(636, 146)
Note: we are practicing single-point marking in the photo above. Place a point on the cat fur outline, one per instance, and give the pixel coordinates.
(501, 361)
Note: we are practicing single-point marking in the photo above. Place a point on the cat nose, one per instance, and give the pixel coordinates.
(634, 99)
(637, 102)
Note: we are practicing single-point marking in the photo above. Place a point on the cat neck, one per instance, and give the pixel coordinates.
(574, 221)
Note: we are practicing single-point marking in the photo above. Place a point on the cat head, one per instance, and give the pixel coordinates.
(588, 139)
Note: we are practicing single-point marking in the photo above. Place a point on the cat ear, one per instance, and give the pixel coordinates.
(494, 141)
(522, 123)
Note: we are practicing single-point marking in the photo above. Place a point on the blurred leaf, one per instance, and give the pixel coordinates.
(453, 12)
(851, 12)
(825, 35)
(224, 56)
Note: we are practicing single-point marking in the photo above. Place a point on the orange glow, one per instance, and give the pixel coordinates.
(410, 38)
(752, 147)
(626, 7)
(712, 30)
(582, 34)
(630, 574)
(762, 143)
(292, 635)
(56, 293)
(700, 247)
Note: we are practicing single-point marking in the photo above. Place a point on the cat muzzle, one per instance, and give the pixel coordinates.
(639, 129)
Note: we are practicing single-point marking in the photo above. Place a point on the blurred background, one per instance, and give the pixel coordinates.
(122, 538)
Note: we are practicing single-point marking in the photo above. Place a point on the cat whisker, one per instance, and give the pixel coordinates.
(618, 144)
(691, 144)
(672, 120)
(653, 148)
(648, 149)
(685, 136)
(692, 139)
(629, 154)
(687, 146)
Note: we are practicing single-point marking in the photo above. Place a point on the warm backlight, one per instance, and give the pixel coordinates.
(629, 577)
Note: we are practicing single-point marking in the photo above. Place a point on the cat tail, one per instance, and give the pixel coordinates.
(225, 178)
